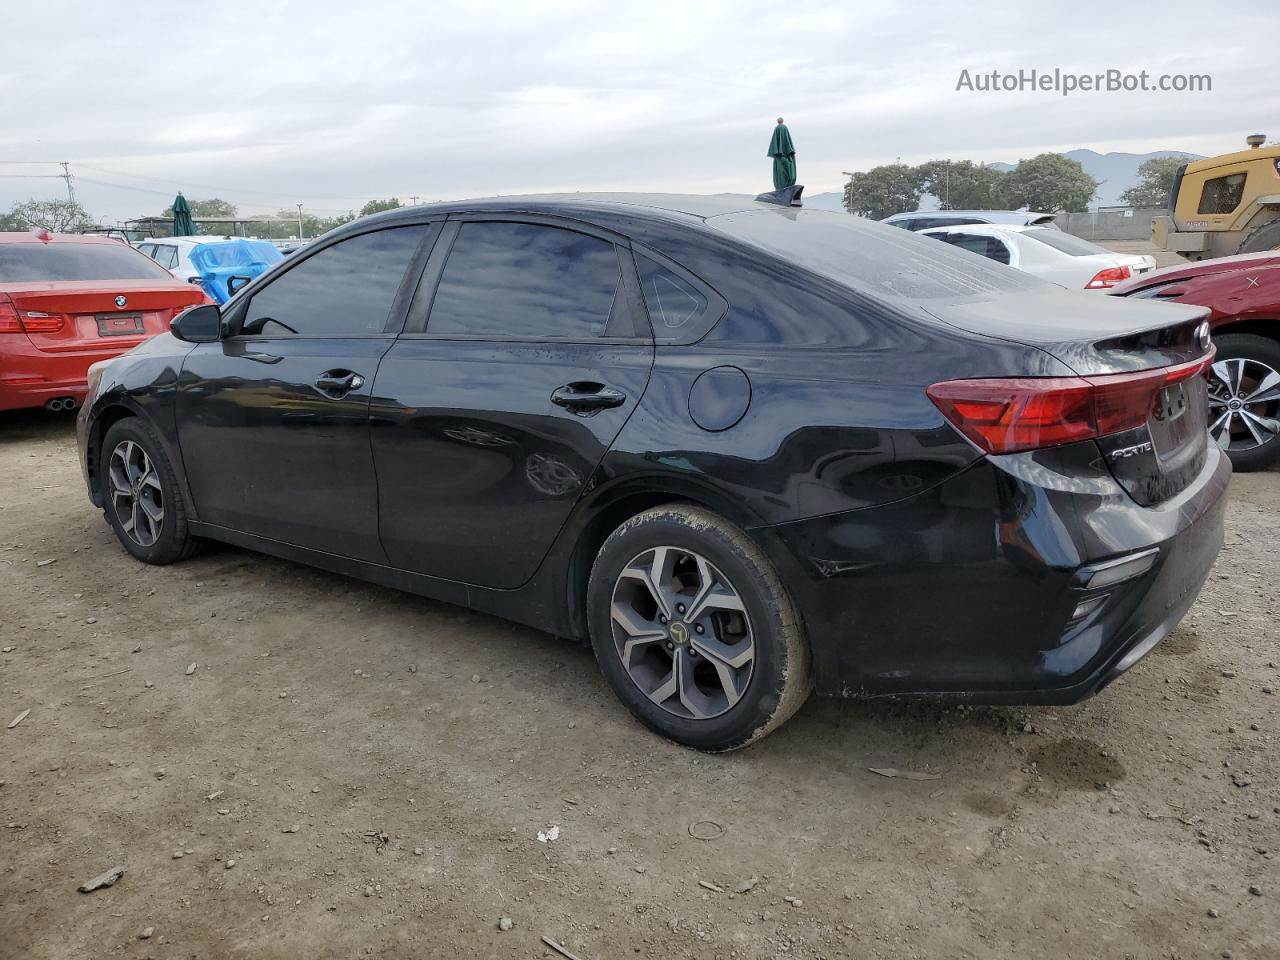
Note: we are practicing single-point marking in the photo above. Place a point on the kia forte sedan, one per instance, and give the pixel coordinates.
(743, 450)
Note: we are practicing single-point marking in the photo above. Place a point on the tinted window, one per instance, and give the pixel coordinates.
(869, 257)
(983, 246)
(675, 305)
(345, 290)
(68, 260)
(525, 280)
(1222, 195)
(1065, 242)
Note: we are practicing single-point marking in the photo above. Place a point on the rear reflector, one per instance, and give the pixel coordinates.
(1107, 278)
(1009, 415)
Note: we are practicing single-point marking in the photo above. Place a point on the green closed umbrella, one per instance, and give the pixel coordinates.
(783, 152)
(182, 224)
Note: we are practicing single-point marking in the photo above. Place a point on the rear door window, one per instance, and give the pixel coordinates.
(345, 290)
(984, 246)
(681, 308)
(525, 281)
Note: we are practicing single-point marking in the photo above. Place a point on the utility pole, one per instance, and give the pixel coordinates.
(66, 175)
(413, 201)
(300, 234)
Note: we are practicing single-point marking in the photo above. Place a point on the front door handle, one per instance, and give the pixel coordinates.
(338, 383)
(585, 397)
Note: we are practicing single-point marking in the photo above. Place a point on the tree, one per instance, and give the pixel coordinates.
(59, 216)
(883, 191)
(1050, 183)
(1155, 182)
(963, 184)
(378, 206)
(213, 207)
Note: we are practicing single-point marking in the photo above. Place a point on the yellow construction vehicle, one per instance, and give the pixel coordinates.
(1224, 205)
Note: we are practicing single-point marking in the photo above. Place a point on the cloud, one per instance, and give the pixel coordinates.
(269, 104)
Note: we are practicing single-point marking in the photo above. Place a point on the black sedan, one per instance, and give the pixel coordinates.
(743, 450)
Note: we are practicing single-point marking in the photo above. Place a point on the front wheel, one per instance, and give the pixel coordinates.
(694, 631)
(1244, 399)
(140, 495)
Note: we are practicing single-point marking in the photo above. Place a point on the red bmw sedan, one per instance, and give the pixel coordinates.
(67, 301)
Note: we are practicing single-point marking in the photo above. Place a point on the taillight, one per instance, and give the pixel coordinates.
(1012, 414)
(12, 322)
(42, 322)
(1107, 278)
(9, 322)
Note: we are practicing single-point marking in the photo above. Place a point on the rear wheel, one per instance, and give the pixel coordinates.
(694, 631)
(1265, 237)
(1244, 399)
(140, 495)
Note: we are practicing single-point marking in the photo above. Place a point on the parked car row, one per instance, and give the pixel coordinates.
(742, 450)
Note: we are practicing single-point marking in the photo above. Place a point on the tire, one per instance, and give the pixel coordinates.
(725, 703)
(1265, 237)
(163, 541)
(1244, 361)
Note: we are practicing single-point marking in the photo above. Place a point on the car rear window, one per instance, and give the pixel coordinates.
(872, 257)
(1065, 242)
(43, 262)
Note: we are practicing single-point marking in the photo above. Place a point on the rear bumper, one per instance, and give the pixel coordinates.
(29, 377)
(973, 590)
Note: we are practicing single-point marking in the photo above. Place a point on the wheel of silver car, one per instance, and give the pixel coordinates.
(136, 493)
(1244, 404)
(682, 632)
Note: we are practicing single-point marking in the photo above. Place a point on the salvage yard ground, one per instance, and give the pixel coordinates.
(348, 771)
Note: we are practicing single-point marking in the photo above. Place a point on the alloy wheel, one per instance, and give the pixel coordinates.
(136, 495)
(1244, 404)
(682, 632)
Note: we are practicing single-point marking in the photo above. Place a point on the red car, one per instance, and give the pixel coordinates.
(1243, 293)
(67, 301)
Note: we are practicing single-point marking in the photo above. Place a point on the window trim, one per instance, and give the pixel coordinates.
(233, 311)
(717, 306)
(418, 322)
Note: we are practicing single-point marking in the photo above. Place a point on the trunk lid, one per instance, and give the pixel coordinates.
(1094, 339)
(66, 316)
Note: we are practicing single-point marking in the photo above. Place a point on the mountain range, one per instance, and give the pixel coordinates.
(1115, 173)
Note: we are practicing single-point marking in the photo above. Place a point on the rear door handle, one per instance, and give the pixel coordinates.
(586, 397)
(337, 383)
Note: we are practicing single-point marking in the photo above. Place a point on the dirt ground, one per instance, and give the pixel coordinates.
(354, 772)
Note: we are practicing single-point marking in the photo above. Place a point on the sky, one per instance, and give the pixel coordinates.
(270, 104)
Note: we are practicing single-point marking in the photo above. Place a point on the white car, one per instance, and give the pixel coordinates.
(1049, 253)
(173, 253)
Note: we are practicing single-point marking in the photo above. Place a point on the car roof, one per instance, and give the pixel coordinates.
(666, 206)
(32, 236)
(985, 228)
(1030, 217)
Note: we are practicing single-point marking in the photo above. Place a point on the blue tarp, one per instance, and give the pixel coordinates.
(221, 260)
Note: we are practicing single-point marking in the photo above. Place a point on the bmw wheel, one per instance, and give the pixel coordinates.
(140, 495)
(1244, 399)
(694, 631)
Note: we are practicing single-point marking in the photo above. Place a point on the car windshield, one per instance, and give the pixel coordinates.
(1065, 242)
(873, 257)
(63, 260)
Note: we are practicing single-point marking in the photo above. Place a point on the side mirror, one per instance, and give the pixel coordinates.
(199, 324)
(237, 283)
